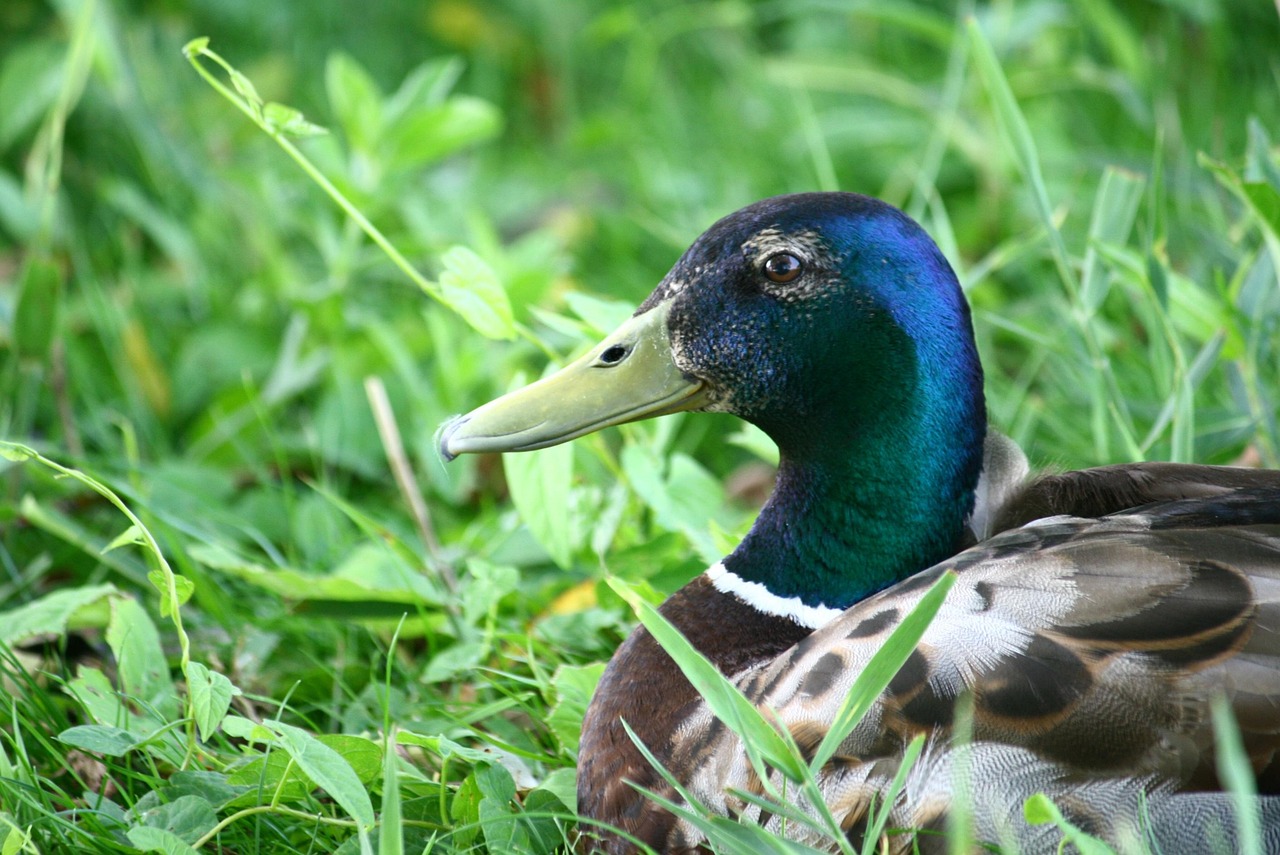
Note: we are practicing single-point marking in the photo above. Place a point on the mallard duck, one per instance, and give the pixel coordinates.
(1095, 613)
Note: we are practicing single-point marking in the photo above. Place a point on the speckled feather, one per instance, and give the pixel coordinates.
(1091, 648)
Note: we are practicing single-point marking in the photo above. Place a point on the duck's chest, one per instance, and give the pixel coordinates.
(644, 688)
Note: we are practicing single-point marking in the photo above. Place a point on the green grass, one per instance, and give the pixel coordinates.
(245, 606)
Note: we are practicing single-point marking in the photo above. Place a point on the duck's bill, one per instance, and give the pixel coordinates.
(629, 376)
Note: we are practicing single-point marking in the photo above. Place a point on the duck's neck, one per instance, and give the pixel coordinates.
(861, 512)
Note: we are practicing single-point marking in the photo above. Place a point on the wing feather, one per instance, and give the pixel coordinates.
(1091, 648)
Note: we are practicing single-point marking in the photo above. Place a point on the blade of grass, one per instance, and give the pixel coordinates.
(960, 816)
(761, 740)
(1114, 209)
(1106, 397)
(881, 669)
(726, 834)
(1018, 135)
(880, 818)
(1235, 770)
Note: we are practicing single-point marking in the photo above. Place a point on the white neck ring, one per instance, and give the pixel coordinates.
(762, 599)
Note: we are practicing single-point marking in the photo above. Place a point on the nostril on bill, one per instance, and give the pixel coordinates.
(613, 355)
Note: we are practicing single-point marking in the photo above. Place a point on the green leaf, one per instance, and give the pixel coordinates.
(757, 442)
(101, 700)
(131, 535)
(469, 286)
(143, 670)
(15, 840)
(562, 784)
(495, 782)
(364, 755)
(239, 727)
(1040, 810)
(370, 573)
(290, 121)
(270, 777)
(279, 776)
(106, 705)
(460, 659)
(503, 832)
(39, 305)
(356, 100)
(684, 498)
(328, 769)
(465, 811)
(213, 787)
(539, 483)
(487, 585)
(211, 693)
(1236, 771)
(183, 586)
(150, 839)
(187, 817)
(1265, 202)
(540, 818)
(390, 821)
(600, 314)
(1114, 210)
(49, 615)
(433, 132)
(443, 746)
(574, 685)
(100, 739)
(875, 677)
(245, 87)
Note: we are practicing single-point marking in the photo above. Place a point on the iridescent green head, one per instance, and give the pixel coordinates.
(831, 321)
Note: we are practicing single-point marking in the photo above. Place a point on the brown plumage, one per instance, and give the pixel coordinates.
(641, 691)
(1091, 646)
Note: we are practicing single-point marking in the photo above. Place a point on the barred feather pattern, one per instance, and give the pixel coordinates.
(1091, 648)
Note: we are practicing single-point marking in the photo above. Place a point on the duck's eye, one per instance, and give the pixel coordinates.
(782, 267)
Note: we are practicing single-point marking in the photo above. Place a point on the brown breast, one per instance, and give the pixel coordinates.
(643, 687)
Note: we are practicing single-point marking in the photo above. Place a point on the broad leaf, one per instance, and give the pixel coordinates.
(211, 694)
(329, 769)
(49, 615)
(142, 669)
(539, 482)
(469, 286)
(100, 739)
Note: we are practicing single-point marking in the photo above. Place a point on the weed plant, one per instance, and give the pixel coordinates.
(244, 606)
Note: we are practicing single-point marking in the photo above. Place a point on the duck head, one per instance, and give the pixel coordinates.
(831, 321)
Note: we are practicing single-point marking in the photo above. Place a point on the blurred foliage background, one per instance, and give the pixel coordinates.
(188, 318)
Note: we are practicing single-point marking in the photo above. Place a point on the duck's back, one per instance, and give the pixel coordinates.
(1092, 633)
